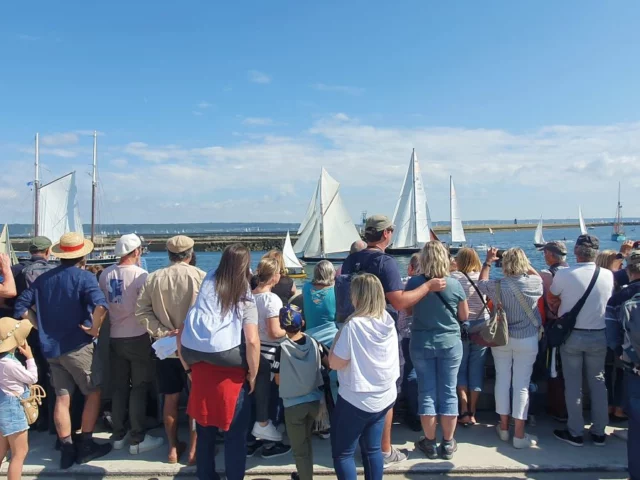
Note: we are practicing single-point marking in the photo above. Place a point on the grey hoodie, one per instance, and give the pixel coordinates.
(299, 368)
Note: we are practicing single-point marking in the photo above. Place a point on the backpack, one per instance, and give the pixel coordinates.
(30, 272)
(630, 319)
(342, 288)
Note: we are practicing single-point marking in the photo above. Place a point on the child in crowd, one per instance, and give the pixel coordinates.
(297, 367)
(15, 380)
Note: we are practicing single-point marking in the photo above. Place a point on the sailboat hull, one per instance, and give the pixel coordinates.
(539, 245)
(319, 259)
(402, 251)
(618, 237)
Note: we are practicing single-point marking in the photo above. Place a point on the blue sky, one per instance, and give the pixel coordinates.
(225, 111)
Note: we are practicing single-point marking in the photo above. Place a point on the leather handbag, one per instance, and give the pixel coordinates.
(495, 331)
(32, 403)
(558, 330)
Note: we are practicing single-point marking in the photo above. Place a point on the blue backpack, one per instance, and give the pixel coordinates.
(342, 288)
(630, 316)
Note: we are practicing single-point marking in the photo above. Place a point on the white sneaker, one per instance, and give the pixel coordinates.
(149, 443)
(527, 442)
(503, 434)
(123, 442)
(268, 432)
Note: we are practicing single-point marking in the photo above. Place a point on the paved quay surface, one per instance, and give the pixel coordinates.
(480, 454)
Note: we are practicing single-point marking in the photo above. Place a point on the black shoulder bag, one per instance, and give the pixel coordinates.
(558, 330)
(480, 295)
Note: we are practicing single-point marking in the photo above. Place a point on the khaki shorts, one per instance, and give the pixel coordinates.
(79, 368)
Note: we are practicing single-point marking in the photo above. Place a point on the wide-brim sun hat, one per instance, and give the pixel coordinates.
(13, 333)
(72, 245)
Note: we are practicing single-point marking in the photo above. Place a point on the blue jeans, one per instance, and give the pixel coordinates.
(235, 444)
(409, 380)
(632, 384)
(471, 373)
(437, 370)
(350, 426)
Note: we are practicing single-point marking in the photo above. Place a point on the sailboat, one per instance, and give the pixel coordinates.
(295, 269)
(538, 238)
(618, 227)
(411, 217)
(327, 231)
(56, 205)
(583, 226)
(5, 245)
(457, 231)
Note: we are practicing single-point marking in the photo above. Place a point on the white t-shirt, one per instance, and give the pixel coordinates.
(571, 283)
(371, 346)
(121, 285)
(269, 305)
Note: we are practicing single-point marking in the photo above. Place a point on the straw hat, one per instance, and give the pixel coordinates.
(72, 245)
(13, 333)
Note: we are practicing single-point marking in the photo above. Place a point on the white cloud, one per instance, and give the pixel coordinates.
(203, 105)
(28, 38)
(323, 87)
(8, 193)
(498, 174)
(197, 113)
(60, 139)
(258, 77)
(258, 121)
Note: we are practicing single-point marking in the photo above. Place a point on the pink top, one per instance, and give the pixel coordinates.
(14, 378)
(121, 285)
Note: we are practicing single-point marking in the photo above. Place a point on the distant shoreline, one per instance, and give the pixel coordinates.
(260, 241)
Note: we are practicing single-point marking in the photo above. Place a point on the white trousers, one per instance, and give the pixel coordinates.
(514, 365)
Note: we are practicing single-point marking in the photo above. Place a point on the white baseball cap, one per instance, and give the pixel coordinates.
(127, 244)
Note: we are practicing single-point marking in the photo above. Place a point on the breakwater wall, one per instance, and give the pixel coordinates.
(261, 241)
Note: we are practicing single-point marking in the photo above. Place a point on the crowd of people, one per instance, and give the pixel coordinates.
(258, 357)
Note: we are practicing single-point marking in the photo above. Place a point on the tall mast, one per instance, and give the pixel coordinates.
(413, 192)
(94, 184)
(36, 188)
(451, 207)
(321, 214)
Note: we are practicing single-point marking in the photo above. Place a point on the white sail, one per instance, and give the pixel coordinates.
(583, 227)
(290, 259)
(5, 245)
(457, 232)
(338, 230)
(58, 209)
(411, 215)
(538, 238)
(327, 227)
(491, 230)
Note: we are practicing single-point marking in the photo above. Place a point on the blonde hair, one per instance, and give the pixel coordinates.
(468, 260)
(278, 257)
(606, 259)
(515, 262)
(434, 260)
(267, 268)
(367, 296)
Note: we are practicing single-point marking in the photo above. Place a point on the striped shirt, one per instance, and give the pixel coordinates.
(520, 324)
(477, 311)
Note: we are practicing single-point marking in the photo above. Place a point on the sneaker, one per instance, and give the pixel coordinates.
(276, 450)
(503, 434)
(396, 456)
(324, 434)
(598, 440)
(295, 476)
(122, 442)
(252, 448)
(527, 442)
(428, 447)
(268, 432)
(447, 449)
(67, 455)
(149, 443)
(90, 450)
(566, 437)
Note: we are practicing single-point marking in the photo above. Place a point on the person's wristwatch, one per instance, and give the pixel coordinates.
(188, 372)
(486, 264)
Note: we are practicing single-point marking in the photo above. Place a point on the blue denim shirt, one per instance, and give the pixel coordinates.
(65, 298)
(615, 331)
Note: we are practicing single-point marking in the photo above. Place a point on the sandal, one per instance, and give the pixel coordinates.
(472, 420)
(467, 415)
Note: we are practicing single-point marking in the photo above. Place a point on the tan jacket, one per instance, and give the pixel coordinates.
(167, 296)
